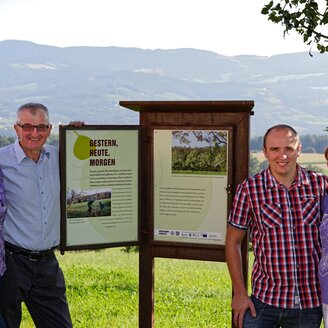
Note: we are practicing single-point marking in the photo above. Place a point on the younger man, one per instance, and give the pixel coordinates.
(281, 208)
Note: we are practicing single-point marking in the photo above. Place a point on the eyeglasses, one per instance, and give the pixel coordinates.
(29, 127)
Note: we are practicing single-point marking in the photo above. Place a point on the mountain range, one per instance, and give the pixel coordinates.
(87, 83)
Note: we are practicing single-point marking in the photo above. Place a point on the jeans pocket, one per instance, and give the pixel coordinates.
(266, 315)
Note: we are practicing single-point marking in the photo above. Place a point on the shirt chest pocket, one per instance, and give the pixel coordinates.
(310, 211)
(271, 215)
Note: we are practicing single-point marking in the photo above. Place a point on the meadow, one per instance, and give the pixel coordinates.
(305, 159)
(102, 290)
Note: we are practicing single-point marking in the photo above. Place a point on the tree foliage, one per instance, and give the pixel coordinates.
(212, 157)
(206, 159)
(310, 143)
(256, 166)
(5, 140)
(211, 137)
(309, 18)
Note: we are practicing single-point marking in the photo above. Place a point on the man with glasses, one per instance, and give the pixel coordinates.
(31, 229)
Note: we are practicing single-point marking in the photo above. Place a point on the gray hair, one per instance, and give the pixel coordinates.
(33, 108)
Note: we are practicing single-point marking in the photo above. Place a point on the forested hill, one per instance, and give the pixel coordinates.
(87, 83)
(310, 143)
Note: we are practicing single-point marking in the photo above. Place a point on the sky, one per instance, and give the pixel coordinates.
(226, 27)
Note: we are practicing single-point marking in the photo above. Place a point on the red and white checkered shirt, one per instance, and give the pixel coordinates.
(284, 230)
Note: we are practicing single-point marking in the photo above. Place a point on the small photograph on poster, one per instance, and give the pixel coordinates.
(199, 152)
(88, 203)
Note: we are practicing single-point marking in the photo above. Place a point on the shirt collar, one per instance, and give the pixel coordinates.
(21, 156)
(301, 178)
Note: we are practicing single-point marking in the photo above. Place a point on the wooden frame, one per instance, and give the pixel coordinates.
(232, 115)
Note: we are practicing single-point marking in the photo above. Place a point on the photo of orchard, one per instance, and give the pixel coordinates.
(199, 152)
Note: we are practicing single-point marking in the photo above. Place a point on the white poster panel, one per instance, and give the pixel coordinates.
(190, 182)
(101, 186)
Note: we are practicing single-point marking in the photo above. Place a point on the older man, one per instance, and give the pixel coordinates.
(31, 229)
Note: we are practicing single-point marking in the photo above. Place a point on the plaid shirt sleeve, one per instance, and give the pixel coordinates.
(239, 215)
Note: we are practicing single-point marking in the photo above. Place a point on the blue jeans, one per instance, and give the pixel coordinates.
(40, 284)
(268, 316)
(2, 320)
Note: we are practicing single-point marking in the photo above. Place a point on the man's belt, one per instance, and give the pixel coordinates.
(27, 254)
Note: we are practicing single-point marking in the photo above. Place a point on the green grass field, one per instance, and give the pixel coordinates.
(102, 289)
(189, 172)
(304, 159)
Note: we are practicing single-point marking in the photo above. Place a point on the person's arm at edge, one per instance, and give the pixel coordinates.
(240, 300)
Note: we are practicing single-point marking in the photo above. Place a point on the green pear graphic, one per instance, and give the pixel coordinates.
(82, 147)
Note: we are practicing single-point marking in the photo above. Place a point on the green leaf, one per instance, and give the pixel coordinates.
(265, 10)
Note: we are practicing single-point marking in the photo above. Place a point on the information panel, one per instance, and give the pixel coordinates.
(190, 185)
(100, 200)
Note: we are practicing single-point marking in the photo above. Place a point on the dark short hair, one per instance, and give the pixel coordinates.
(326, 153)
(33, 108)
(280, 126)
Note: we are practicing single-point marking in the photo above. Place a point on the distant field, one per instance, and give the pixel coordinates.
(304, 159)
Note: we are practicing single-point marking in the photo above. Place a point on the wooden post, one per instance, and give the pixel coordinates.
(233, 115)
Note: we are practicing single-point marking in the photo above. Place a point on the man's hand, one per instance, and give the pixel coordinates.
(239, 306)
(240, 301)
(76, 123)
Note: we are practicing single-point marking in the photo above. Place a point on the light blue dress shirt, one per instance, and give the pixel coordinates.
(33, 197)
(3, 209)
